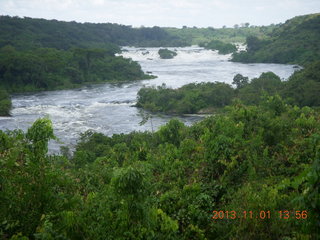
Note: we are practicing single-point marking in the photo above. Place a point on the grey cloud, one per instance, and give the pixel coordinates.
(163, 12)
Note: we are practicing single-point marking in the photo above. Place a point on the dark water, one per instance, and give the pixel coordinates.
(107, 108)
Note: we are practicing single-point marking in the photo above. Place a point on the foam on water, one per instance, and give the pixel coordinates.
(107, 108)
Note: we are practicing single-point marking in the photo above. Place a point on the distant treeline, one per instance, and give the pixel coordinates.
(302, 89)
(26, 33)
(297, 41)
(29, 33)
(196, 36)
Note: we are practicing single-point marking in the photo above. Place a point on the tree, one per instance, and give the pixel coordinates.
(33, 187)
(172, 132)
(5, 103)
(240, 81)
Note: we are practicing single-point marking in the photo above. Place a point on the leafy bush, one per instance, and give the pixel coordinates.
(165, 185)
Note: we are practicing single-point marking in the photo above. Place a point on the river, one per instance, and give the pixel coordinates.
(107, 108)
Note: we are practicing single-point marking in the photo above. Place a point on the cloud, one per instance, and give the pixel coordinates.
(163, 12)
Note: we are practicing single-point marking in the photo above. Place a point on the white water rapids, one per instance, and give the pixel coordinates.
(107, 108)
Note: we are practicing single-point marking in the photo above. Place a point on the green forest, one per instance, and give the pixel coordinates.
(34, 33)
(301, 89)
(249, 171)
(263, 160)
(237, 34)
(40, 54)
(50, 69)
(296, 41)
(223, 48)
(166, 53)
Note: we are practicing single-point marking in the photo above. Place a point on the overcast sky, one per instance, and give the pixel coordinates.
(174, 13)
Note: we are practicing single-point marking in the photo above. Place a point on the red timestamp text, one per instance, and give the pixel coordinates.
(263, 214)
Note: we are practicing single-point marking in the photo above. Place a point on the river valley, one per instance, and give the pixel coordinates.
(107, 108)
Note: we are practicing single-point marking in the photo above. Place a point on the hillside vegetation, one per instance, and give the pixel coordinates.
(196, 36)
(296, 41)
(252, 172)
(32, 33)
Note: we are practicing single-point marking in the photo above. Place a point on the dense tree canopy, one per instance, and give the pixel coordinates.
(48, 68)
(296, 41)
(251, 171)
(196, 36)
(223, 48)
(256, 162)
(166, 53)
(303, 88)
(190, 98)
(29, 33)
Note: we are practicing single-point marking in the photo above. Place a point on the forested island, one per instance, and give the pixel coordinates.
(250, 171)
(221, 47)
(166, 53)
(301, 89)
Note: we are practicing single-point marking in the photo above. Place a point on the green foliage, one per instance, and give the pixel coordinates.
(191, 98)
(295, 41)
(263, 156)
(198, 36)
(5, 103)
(166, 53)
(268, 83)
(240, 81)
(301, 89)
(303, 86)
(223, 48)
(165, 185)
(49, 69)
(172, 132)
(31, 184)
(39, 134)
(30, 33)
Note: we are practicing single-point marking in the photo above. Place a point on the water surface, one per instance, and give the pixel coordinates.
(107, 108)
